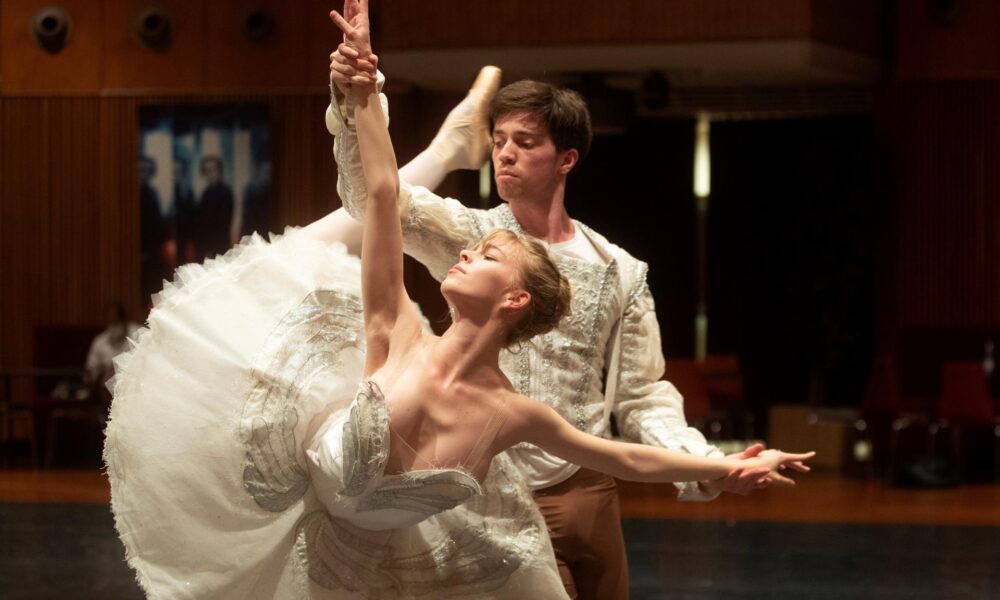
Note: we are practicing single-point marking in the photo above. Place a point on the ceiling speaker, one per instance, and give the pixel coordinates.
(259, 25)
(50, 27)
(154, 28)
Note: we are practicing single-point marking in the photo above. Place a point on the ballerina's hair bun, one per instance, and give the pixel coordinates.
(540, 277)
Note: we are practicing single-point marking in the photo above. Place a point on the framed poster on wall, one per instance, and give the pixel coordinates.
(204, 183)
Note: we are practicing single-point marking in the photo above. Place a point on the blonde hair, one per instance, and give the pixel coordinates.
(540, 277)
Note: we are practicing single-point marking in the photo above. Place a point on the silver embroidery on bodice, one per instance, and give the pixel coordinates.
(366, 448)
(365, 440)
(459, 562)
(309, 341)
(423, 492)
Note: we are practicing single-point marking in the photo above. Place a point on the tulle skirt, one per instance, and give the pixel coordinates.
(242, 359)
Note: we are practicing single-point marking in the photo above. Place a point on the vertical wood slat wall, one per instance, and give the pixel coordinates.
(947, 146)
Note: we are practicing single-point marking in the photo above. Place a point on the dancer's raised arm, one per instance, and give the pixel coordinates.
(389, 313)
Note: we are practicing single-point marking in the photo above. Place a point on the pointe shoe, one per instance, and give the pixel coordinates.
(463, 142)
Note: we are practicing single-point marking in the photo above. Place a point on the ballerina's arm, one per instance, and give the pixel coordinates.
(540, 425)
(389, 313)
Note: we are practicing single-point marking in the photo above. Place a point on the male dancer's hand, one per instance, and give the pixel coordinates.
(742, 481)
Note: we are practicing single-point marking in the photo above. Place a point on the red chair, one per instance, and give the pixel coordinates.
(58, 415)
(724, 384)
(713, 400)
(965, 397)
(724, 381)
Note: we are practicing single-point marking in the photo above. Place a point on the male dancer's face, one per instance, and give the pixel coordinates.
(526, 165)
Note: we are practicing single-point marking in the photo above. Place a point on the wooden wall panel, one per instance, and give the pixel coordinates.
(462, 24)
(209, 51)
(946, 139)
(115, 253)
(856, 25)
(234, 62)
(27, 224)
(4, 345)
(26, 68)
(322, 171)
(129, 64)
(297, 121)
(967, 47)
(715, 20)
(75, 161)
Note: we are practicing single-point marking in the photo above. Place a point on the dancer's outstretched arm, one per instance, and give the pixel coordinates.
(540, 425)
(390, 319)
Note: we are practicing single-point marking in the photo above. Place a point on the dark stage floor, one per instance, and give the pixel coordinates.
(708, 560)
(56, 550)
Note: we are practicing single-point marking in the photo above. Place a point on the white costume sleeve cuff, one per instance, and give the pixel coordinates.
(339, 113)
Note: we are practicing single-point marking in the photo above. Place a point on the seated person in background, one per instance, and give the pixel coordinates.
(106, 346)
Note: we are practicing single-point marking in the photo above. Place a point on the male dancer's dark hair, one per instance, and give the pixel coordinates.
(562, 111)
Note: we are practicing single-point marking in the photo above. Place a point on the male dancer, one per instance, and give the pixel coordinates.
(604, 359)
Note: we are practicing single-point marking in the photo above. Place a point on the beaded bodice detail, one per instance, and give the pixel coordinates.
(366, 442)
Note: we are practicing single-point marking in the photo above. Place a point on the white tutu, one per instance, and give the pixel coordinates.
(244, 359)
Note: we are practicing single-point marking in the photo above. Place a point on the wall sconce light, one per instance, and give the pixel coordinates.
(259, 25)
(154, 28)
(50, 27)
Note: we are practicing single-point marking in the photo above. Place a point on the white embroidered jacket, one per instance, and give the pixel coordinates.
(612, 329)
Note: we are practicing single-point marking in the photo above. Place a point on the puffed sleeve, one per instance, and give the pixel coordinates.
(648, 409)
(436, 229)
(350, 172)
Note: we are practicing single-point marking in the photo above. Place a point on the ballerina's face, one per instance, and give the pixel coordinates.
(486, 275)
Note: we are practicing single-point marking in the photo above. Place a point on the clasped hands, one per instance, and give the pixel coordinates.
(353, 61)
(759, 469)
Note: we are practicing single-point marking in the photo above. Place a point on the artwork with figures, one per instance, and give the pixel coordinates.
(204, 183)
